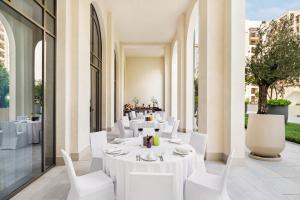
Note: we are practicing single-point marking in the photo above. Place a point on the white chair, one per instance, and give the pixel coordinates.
(126, 123)
(98, 140)
(140, 115)
(199, 142)
(21, 118)
(91, 186)
(173, 133)
(150, 186)
(124, 133)
(205, 186)
(132, 115)
(14, 135)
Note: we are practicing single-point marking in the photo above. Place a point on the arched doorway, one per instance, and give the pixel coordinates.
(96, 72)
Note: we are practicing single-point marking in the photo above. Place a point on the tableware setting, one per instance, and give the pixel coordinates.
(118, 141)
(176, 141)
(182, 151)
(150, 156)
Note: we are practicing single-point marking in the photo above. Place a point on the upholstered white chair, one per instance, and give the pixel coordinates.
(205, 186)
(91, 186)
(140, 115)
(150, 186)
(173, 133)
(199, 142)
(132, 115)
(21, 118)
(126, 123)
(14, 135)
(124, 133)
(98, 140)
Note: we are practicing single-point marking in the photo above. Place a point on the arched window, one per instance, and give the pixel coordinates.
(96, 72)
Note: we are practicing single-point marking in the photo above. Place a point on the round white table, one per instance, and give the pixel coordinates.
(119, 167)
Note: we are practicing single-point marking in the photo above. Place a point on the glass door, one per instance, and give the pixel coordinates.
(27, 92)
(96, 72)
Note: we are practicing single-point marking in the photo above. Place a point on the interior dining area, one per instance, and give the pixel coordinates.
(121, 100)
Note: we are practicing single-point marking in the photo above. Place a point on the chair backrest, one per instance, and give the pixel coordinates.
(140, 115)
(171, 120)
(20, 118)
(132, 115)
(70, 167)
(199, 142)
(161, 186)
(175, 128)
(125, 120)
(121, 128)
(226, 172)
(98, 140)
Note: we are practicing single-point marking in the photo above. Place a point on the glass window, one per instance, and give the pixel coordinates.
(50, 24)
(20, 101)
(29, 8)
(50, 5)
(49, 82)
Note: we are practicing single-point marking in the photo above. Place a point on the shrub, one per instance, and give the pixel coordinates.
(279, 102)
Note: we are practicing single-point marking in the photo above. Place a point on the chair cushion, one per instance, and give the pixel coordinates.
(93, 182)
(206, 179)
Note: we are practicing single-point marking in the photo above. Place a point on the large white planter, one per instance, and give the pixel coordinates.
(265, 135)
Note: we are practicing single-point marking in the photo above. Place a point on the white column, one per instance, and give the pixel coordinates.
(235, 74)
(63, 79)
(221, 76)
(167, 80)
(110, 74)
(181, 81)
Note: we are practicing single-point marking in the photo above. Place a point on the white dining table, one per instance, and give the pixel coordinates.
(119, 167)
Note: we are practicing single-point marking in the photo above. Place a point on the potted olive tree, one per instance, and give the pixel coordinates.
(276, 58)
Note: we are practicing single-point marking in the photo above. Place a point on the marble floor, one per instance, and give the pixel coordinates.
(255, 180)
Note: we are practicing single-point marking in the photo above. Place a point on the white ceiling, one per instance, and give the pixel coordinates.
(146, 21)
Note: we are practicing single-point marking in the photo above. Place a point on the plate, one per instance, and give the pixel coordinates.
(145, 158)
(113, 150)
(176, 141)
(180, 153)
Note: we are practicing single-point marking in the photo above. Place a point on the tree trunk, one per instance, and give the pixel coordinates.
(262, 99)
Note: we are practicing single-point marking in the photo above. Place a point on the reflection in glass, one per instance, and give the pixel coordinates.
(30, 8)
(21, 102)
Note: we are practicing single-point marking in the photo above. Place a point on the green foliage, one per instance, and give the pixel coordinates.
(38, 92)
(4, 87)
(136, 100)
(292, 132)
(247, 101)
(276, 57)
(279, 102)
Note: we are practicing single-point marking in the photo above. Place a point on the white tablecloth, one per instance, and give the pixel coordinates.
(119, 167)
(33, 129)
(136, 124)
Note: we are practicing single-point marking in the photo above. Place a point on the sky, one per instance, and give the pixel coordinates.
(269, 9)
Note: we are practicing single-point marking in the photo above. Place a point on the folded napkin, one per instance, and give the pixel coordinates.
(113, 150)
(182, 149)
(176, 141)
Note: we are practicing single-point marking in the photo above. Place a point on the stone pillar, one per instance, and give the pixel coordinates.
(221, 76)
(167, 80)
(110, 70)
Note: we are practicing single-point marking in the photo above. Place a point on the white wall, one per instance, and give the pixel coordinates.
(144, 78)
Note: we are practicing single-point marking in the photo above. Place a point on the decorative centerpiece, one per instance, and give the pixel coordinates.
(136, 101)
(148, 141)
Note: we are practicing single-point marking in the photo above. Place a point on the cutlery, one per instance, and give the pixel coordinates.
(137, 158)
